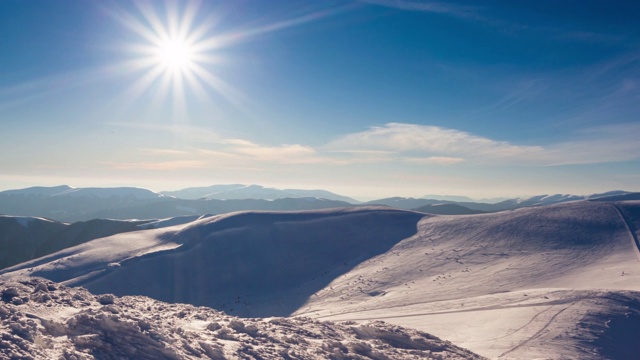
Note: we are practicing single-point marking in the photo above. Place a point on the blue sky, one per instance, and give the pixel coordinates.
(367, 98)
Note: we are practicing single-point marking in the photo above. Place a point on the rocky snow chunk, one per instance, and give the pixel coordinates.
(43, 320)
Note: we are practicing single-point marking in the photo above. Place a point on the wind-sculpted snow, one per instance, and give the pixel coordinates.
(43, 320)
(250, 264)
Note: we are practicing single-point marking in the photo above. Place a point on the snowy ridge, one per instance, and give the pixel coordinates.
(43, 320)
(173, 221)
(244, 263)
(37, 191)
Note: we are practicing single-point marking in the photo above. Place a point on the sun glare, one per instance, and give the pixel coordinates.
(175, 54)
(176, 50)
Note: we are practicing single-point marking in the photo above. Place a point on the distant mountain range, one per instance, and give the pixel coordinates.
(63, 203)
(68, 204)
(423, 204)
(240, 192)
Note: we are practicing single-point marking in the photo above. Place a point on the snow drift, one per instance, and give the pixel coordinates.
(42, 320)
(251, 263)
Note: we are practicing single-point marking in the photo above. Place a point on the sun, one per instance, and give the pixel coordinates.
(175, 55)
(175, 52)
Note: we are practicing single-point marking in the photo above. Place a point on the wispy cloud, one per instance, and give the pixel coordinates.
(286, 154)
(429, 6)
(433, 141)
(163, 165)
(438, 160)
(408, 144)
(436, 145)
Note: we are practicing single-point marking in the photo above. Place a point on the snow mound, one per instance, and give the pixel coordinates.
(43, 320)
(246, 263)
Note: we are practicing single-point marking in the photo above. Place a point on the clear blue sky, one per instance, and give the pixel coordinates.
(366, 98)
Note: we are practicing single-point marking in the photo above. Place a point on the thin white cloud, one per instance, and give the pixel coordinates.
(433, 141)
(433, 144)
(290, 154)
(190, 132)
(162, 165)
(409, 144)
(437, 160)
(428, 6)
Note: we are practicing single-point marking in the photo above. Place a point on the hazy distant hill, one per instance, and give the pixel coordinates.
(71, 205)
(449, 198)
(64, 203)
(413, 203)
(538, 200)
(240, 191)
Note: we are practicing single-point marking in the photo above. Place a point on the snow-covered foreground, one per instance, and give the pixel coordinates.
(42, 320)
(546, 282)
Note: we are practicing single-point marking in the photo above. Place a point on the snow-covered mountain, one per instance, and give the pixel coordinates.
(447, 209)
(114, 192)
(559, 281)
(43, 320)
(455, 198)
(93, 192)
(240, 191)
(509, 204)
(37, 191)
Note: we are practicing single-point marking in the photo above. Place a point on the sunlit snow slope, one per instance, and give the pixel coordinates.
(530, 283)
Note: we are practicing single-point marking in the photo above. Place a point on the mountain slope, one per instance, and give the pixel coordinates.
(243, 263)
(240, 191)
(20, 237)
(556, 281)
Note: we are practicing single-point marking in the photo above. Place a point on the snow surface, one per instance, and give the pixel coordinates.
(178, 220)
(42, 320)
(547, 282)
